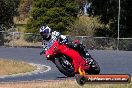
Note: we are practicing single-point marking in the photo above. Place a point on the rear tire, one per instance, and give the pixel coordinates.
(67, 70)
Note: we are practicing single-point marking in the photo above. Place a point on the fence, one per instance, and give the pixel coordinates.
(19, 39)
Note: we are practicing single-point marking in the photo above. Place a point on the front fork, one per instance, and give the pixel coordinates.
(42, 52)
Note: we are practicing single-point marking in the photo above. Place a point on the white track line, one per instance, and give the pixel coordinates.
(40, 69)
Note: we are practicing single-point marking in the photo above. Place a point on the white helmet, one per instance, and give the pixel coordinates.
(45, 32)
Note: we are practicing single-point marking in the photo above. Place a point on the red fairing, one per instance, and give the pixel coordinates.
(52, 49)
(75, 56)
(78, 60)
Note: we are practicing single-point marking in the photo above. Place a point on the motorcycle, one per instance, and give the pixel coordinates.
(68, 60)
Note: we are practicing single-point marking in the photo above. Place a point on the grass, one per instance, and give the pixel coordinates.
(9, 67)
(61, 84)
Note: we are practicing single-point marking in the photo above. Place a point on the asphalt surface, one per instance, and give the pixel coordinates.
(111, 62)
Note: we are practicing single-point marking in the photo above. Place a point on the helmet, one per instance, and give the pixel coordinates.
(45, 32)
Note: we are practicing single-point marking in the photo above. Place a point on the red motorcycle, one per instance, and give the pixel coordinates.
(69, 60)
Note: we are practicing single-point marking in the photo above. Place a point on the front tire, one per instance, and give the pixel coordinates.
(64, 64)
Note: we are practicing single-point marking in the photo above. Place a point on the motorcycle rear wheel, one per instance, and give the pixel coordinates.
(65, 66)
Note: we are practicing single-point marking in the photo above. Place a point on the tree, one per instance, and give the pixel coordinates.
(58, 14)
(86, 26)
(24, 9)
(81, 4)
(8, 9)
(108, 11)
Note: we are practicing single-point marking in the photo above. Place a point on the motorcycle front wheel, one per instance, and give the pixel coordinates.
(64, 64)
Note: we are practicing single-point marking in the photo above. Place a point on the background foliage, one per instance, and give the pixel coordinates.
(86, 26)
(8, 9)
(57, 14)
(108, 11)
(63, 16)
(24, 9)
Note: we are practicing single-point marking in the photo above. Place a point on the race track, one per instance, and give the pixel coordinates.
(111, 62)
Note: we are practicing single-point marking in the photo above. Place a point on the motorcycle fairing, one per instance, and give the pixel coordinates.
(77, 59)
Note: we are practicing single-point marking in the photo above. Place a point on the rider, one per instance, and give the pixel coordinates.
(50, 36)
